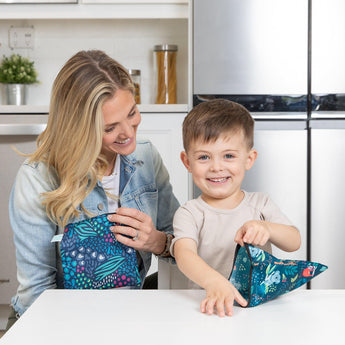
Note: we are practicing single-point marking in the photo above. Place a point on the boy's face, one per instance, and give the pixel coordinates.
(218, 168)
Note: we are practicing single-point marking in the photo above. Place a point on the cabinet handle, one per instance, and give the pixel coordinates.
(21, 129)
(4, 281)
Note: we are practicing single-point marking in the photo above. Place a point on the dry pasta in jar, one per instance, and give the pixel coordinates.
(165, 67)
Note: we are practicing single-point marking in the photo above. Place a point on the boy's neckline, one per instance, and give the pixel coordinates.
(224, 205)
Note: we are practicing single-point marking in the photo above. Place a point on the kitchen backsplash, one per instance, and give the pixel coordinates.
(130, 41)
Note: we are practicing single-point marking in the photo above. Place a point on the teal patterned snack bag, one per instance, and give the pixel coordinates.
(92, 258)
(260, 277)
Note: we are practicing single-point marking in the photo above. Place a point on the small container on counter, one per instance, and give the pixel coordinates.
(136, 78)
(165, 70)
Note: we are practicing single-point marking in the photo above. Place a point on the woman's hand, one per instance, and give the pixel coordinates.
(139, 229)
(221, 293)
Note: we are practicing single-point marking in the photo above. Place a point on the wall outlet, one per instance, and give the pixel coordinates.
(21, 37)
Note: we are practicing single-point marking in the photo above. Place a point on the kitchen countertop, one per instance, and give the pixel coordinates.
(173, 317)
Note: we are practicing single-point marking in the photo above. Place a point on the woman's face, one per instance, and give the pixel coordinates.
(121, 119)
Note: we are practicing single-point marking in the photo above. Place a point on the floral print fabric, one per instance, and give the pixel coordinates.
(260, 277)
(92, 258)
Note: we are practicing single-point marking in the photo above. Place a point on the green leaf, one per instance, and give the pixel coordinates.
(17, 69)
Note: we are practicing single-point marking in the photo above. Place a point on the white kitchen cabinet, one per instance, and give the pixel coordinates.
(165, 132)
(281, 171)
(27, 126)
(164, 129)
(327, 201)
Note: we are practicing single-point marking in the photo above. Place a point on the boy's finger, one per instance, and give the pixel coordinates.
(210, 306)
(229, 303)
(240, 242)
(238, 237)
(220, 308)
(240, 300)
(203, 305)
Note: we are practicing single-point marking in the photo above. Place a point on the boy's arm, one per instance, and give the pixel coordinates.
(219, 290)
(258, 232)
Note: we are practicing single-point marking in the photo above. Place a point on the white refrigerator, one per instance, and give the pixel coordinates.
(285, 61)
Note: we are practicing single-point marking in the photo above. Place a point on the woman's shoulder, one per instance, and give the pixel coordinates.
(144, 145)
(36, 171)
(144, 150)
(29, 167)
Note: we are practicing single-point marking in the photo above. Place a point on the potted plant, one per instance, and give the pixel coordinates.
(16, 72)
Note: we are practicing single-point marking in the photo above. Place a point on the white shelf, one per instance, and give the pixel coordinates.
(117, 10)
(44, 109)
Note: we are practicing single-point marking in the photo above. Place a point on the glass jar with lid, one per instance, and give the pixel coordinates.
(136, 78)
(165, 73)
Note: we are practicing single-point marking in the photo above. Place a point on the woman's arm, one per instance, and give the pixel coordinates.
(151, 232)
(33, 231)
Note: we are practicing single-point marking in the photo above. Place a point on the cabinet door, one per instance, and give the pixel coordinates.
(327, 203)
(10, 162)
(165, 132)
(281, 171)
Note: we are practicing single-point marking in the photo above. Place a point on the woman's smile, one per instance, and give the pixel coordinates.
(121, 120)
(122, 142)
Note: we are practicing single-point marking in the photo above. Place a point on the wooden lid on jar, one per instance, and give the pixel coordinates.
(165, 47)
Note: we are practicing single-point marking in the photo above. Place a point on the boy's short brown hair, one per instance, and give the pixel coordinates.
(208, 120)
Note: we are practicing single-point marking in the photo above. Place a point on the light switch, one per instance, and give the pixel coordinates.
(21, 37)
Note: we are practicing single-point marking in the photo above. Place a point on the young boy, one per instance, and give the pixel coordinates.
(218, 143)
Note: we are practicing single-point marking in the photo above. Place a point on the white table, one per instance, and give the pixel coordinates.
(173, 317)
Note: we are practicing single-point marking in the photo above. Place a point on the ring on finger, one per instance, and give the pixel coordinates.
(135, 238)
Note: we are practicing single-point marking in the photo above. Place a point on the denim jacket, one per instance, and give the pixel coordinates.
(144, 185)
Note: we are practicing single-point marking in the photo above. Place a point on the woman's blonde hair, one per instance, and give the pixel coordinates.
(72, 140)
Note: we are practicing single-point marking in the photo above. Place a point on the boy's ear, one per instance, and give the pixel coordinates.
(185, 161)
(251, 158)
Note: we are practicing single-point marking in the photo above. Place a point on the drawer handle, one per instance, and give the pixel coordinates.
(21, 129)
(4, 281)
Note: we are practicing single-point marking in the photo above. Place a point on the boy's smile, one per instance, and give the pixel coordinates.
(218, 168)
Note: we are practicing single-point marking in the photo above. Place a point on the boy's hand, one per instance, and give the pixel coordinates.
(220, 293)
(256, 232)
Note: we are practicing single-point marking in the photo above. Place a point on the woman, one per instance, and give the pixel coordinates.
(88, 163)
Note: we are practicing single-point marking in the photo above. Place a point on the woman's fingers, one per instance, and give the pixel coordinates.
(132, 213)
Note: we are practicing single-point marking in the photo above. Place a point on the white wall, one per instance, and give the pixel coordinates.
(130, 41)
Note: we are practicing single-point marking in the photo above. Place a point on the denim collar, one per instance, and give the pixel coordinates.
(127, 169)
